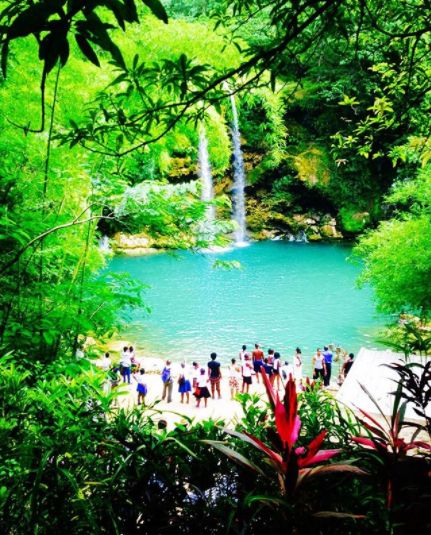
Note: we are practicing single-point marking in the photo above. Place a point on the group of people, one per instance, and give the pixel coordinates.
(204, 382)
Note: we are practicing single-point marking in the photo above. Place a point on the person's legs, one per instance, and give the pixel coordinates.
(218, 387)
(165, 386)
(328, 374)
(182, 397)
(212, 382)
(206, 401)
(170, 388)
(127, 375)
(188, 397)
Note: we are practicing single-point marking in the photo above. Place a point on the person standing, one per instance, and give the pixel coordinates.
(319, 366)
(202, 389)
(297, 365)
(242, 353)
(276, 365)
(195, 374)
(347, 364)
(142, 387)
(106, 363)
(327, 353)
(269, 369)
(106, 366)
(286, 371)
(247, 367)
(234, 375)
(168, 381)
(184, 383)
(271, 356)
(257, 357)
(125, 364)
(214, 374)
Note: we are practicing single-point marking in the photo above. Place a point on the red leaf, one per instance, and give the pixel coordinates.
(333, 514)
(419, 444)
(313, 448)
(269, 389)
(291, 407)
(372, 419)
(320, 456)
(373, 429)
(365, 442)
(282, 423)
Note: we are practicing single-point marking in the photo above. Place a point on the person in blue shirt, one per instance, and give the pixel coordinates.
(327, 354)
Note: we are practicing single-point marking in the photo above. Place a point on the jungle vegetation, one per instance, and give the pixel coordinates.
(100, 101)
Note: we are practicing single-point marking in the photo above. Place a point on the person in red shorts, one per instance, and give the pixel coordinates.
(214, 373)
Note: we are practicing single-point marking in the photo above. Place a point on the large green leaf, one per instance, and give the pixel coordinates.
(157, 8)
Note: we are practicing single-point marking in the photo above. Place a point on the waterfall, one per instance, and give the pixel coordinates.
(104, 244)
(239, 180)
(301, 236)
(205, 173)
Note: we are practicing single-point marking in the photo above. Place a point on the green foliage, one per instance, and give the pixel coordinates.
(396, 256)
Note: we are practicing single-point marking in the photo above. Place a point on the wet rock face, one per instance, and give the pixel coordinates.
(134, 244)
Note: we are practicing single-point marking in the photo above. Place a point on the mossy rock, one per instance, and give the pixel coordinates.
(313, 165)
(314, 237)
(354, 221)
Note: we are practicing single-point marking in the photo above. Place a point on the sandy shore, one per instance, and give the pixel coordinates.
(224, 409)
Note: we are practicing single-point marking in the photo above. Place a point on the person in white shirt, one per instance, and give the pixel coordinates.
(142, 387)
(276, 370)
(202, 389)
(125, 364)
(286, 371)
(184, 383)
(242, 353)
(106, 363)
(195, 374)
(234, 375)
(247, 367)
(297, 365)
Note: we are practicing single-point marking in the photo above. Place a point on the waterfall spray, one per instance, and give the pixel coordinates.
(239, 180)
(205, 173)
(104, 244)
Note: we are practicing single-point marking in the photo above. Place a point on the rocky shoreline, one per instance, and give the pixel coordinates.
(301, 227)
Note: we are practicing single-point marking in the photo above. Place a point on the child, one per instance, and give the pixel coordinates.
(195, 374)
(234, 374)
(202, 389)
(184, 383)
(247, 368)
(142, 387)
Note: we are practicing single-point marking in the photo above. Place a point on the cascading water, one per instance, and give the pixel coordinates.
(104, 244)
(205, 173)
(301, 237)
(240, 237)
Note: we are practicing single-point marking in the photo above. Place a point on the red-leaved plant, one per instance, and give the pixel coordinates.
(292, 465)
(385, 440)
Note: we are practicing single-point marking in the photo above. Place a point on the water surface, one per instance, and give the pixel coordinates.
(288, 295)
